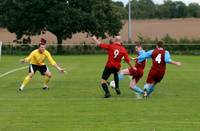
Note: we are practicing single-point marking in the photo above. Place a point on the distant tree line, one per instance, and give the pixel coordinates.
(147, 9)
(64, 18)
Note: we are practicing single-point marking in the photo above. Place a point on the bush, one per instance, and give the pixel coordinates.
(93, 49)
(182, 46)
(189, 49)
(169, 39)
(184, 40)
(143, 39)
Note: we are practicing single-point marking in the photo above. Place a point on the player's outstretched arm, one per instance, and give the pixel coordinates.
(131, 66)
(94, 38)
(22, 61)
(59, 68)
(133, 58)
(177, 63)
(170, 61)
(27, 59)
(53, 62)
(145, 55)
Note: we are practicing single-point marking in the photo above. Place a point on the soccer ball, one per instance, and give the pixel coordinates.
(112, 84)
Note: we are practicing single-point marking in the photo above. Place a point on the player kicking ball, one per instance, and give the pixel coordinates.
(160, 57)
(136, 72)
(36, 60)
(115, 52)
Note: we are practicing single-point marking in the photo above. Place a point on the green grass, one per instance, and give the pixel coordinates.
(75, 101)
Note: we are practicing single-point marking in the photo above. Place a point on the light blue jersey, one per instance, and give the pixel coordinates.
(148, 54)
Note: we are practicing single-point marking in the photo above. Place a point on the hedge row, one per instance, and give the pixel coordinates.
(187, 49)
(193, 49)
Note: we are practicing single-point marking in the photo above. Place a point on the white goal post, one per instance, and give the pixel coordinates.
(0, 49)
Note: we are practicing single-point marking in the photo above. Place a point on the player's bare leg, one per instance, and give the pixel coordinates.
(26, 81)
(119, 76)
(47, 78)
(124, 72)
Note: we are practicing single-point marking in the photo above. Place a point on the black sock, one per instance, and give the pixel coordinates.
(105, 88)
(116, 79)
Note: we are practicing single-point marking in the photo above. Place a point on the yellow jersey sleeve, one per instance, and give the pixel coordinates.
(49, 57)
(28, 59)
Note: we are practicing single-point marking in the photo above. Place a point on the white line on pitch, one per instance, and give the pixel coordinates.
(12, 71)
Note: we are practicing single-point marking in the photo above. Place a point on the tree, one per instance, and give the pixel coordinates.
(142, 9)
(1, 14)
(134, 9)
(18, 17)
(102, 16)
(167, 9)
(193, 10)
(172, 9)
(147, 8)
(181, 10)
(61, 17)
(121, 9)
(118, 3)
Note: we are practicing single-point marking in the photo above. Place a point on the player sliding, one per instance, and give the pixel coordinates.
(115, 53)
(136, 72)
(36, 60)
(159, 58)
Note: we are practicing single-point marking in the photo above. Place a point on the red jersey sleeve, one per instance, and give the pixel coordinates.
(104, 46)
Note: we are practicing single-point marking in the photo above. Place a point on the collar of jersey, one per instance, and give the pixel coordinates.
(117, 43)
(160, 48)
(39, 51)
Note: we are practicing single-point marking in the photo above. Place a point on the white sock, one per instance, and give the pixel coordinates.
(21, 87)
(45, 85)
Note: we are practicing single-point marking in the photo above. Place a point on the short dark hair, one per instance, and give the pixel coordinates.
(42, 42)
(160, 44)
(138, 44)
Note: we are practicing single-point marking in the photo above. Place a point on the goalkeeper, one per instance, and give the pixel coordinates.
(36, 60)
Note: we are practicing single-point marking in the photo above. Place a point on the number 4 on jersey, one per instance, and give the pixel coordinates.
(158, 58)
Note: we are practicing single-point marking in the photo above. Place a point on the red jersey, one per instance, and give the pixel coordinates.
(115, 53)
(158, 58)
(140, 65)
(137, 74)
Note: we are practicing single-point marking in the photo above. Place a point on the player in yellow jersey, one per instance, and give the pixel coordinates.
(36, 60)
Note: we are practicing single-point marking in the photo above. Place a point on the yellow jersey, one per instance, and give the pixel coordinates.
(38, 58)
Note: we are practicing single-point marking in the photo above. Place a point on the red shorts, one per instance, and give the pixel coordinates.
(137, 74)
(155, 76)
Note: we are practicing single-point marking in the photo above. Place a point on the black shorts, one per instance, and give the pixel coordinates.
(42, 69)
(108, 71)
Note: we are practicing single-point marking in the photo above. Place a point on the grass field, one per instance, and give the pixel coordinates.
(75, 101)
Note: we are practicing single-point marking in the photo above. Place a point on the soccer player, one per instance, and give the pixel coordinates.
(159, 58)
(115, 52)
(136, 72)
(36, 60)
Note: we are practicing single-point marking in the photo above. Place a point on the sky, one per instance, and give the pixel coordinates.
(161, 1)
